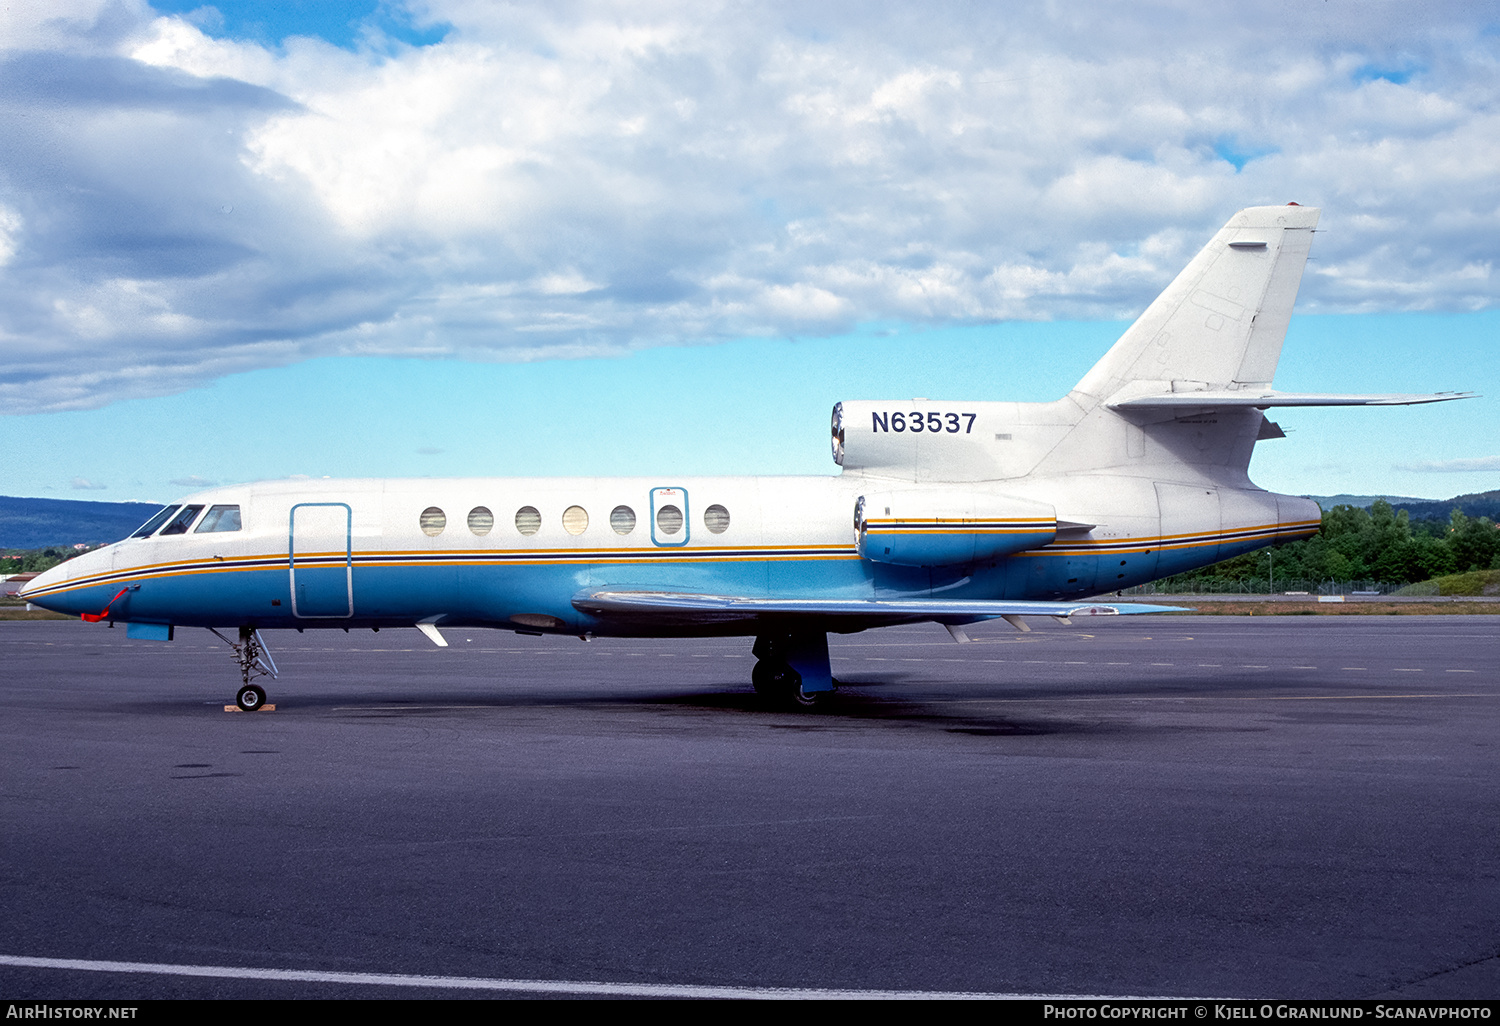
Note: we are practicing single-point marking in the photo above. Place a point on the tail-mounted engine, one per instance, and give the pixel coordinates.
(932, 440)
(932, 528)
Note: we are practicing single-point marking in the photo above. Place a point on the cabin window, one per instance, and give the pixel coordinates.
(433, 520)
(481, 520)
(528, 520)
(220, 518)
(182, 521)
(669, 519)
(716, 519)
(622, 519)
(149, 527)
(575, 520)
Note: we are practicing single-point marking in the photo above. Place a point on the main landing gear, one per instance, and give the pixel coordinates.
(255, 661)
(792, 670)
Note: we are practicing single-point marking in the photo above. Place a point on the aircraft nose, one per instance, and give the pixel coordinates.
(43, 590)
(43, 581)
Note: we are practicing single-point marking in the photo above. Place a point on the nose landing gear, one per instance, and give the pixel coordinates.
(255, 661)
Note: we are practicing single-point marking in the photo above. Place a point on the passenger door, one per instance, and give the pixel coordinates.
(320, 560)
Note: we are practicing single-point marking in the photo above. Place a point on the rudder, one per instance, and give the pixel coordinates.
(1221, 322)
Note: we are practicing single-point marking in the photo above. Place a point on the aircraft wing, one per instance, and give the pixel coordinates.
(1266, 398)
(675, 608)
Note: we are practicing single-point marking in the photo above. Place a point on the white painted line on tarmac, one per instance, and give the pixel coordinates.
(1196, 698)
(588, 987)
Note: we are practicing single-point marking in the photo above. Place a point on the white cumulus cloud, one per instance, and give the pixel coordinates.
(1465, 465)
(579, 178)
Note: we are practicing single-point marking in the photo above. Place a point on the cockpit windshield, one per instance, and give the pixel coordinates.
(182, 521)
(147, 529)
(220, 518)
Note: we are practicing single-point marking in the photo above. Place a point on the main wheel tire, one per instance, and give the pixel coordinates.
(783, 685)
(250, 697)
(799, 699)
(771, 679)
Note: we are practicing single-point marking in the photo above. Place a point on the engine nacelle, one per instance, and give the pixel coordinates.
(948, 528)
(926, 440)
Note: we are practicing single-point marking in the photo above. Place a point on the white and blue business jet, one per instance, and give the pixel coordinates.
(950, 512)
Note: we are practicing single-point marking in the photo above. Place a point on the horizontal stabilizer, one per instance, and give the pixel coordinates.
(676, 608)
(1265, 398)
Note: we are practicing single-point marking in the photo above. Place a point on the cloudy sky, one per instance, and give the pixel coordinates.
(451, 236)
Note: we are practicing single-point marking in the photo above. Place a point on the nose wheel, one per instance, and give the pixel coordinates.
(250, 697)
(255, 661)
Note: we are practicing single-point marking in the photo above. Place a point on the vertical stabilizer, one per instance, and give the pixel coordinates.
(1221, 323)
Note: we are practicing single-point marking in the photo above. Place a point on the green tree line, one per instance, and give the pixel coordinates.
(33, 560)
(1375, 544)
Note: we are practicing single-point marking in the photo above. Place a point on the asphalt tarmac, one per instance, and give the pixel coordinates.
(1252, 807)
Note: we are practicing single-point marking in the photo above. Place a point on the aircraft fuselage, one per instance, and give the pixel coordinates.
(513, 552)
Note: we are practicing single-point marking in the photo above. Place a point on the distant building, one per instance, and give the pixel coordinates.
(11, 586)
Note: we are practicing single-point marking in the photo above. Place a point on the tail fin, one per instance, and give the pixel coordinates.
(1221, 323)
(1217, 329)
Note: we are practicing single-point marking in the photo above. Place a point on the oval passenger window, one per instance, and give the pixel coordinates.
(433, 521)
(528, 520)
(669, 520)
(716, 519)
(575, 520)
(481, 520)
(622, 519)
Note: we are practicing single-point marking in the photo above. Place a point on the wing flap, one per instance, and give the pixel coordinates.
(679, 608)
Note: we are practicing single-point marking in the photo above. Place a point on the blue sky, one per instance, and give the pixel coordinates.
(450, 237)
(344, 23)
(753, 406)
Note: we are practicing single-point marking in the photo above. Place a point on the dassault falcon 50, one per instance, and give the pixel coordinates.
(949, 511)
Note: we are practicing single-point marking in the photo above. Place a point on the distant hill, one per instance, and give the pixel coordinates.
(1478, 504)
(1327, 502)
(37, 523)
